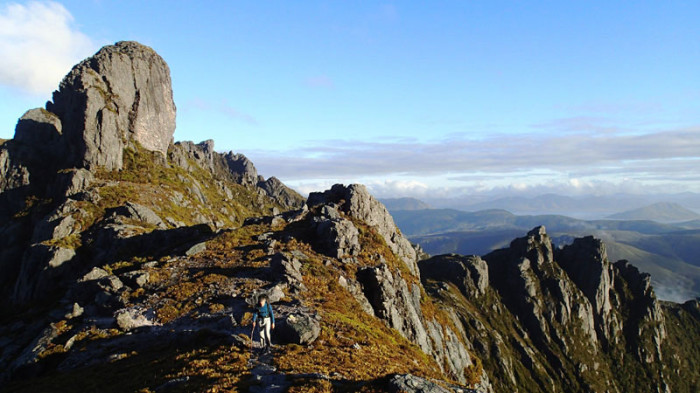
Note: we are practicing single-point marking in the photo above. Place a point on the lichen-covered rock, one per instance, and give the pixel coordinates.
(121, 94)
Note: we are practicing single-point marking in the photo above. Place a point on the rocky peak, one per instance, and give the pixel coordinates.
(586, 263)
(120, 95)
(355, 201)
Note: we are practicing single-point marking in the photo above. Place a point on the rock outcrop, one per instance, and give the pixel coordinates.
(119, 96)
(356, 202)
(112, 110)
(469, 273)
(392, 289)
(557, 314)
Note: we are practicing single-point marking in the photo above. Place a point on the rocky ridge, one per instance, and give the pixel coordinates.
(128, 254)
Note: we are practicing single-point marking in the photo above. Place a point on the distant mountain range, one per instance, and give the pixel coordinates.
(661, 211)
(585, 207)
(670, 252)
(404, 204)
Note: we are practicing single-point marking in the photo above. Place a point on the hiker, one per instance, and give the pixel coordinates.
(267, 321)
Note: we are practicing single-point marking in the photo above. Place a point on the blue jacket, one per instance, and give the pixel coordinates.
(264, 312)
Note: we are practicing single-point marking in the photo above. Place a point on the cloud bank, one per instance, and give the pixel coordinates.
(38, 45)
(575, 161)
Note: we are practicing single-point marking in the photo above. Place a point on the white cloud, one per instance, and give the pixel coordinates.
(394, 188)
(39, 44)
(662, 153)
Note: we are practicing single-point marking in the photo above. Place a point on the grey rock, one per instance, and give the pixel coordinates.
(137, 212)
(586, 263)
(201, 153)
(407, 383)
(39, 270)
(241, 169)
(287, 269)
(196, 249)
(298, 328)
(129, 319)
(38, 127)
(337, 237)
(39, 344)
(275, 294)
(394, 302)
(469, 273)
(74, 181)
(76, 311)
(59, 223)
(355, 289)
(284, 195)
(13, 174)
(95, 274)
(358, 203)
(111, 284)
(136, 278)
(121, 94)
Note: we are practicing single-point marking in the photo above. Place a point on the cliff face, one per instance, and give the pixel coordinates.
(123, 253)
(560, 320)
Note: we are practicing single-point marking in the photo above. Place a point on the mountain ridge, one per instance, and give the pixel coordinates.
(121, 259)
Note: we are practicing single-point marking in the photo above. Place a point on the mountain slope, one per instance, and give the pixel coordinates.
(393, 204)
(661, 212)
(131, 255)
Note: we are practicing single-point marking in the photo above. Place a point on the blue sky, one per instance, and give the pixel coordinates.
(413, 99)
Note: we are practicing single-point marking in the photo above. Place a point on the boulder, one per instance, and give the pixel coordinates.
(95, 274)
(407, 383)
(130, 318)
(337, 237)
(298, 328)
(196, 249)
(286, 269)
(119, 96)
(136, 278)
(137, 212)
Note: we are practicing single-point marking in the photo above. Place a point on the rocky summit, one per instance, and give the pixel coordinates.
(131, 262)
